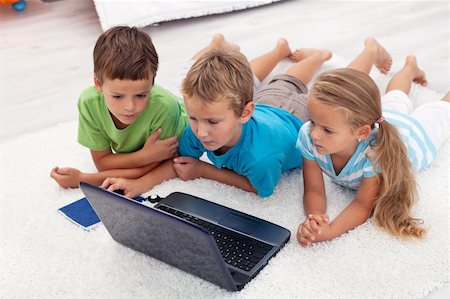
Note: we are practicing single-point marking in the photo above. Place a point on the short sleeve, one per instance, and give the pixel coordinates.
(89, 127)
(189, 145)
(304, 142)
(171, 114)
(368, 170)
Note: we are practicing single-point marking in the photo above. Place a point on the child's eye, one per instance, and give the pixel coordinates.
(116, 97)
(192, 118)
(213, 122)
(328, 131)
(142, 96)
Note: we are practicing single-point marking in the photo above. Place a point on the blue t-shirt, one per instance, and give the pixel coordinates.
(421, 150)
(266, 148)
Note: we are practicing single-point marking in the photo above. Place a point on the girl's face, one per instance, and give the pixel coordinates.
(214, 124)
(330, 130)
(125, 99)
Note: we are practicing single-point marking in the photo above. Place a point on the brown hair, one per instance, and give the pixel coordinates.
(220, 75)
(124, 53)
(356, 95)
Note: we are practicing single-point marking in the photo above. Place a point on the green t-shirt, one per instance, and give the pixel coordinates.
(96, 129)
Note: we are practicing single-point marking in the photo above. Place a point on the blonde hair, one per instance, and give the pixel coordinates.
(356, 95)
(220, 75)
(124, 53)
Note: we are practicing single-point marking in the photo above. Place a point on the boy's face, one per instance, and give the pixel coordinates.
(125, 99)
(216, 124)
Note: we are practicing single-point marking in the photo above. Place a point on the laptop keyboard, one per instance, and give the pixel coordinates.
(237, 250)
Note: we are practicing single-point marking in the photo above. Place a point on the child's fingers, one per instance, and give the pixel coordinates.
(301, 239)
(155, 135)
(116, 186)
(319, 219)
(54, 170)
(307, 224)
(307, 233)
(170, 141)
(304, 242)
(178, 159)
(62, 171)
(107, 182)
(314, 226)
(182, 160)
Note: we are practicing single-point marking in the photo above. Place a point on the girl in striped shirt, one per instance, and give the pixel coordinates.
(370, 144)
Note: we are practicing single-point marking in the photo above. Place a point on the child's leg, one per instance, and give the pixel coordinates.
(372, 54)
(401, 83)
(218, 42)
(404, 78)
(309, 61)
(264, 64)
(288, 91)
(446, 98)
(435, 120)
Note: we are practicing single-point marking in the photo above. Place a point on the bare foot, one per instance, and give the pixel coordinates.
(446, 97)
(383, 60)
(217, 42)
(419, 75)
(282, 48)
(302, 53)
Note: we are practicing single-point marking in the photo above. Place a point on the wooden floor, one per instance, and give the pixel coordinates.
(45, 51)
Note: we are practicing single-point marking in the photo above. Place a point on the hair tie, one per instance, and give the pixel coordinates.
(380, 120)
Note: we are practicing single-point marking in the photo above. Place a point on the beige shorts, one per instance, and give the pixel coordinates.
(285, 92)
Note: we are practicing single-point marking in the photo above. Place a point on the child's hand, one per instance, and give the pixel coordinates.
(66, 177)
(159, 150)
(131, 188)
(310, 230)
(187, 168)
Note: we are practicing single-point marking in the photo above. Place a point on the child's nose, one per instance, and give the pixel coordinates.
(202, 130)
(315, 135)
(129, 105)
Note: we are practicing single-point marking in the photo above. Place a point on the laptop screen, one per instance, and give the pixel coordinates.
(161, 236)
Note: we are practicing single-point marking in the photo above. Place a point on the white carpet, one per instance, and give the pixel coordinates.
(43, 255)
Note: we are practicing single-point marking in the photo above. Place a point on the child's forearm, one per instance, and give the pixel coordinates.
(354, 215)
(158, 175)
(358, 210)
(98, 177)
(124, 161)
(314, 203)
(226, 176)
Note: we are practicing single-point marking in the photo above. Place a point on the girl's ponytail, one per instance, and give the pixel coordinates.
(398, 188)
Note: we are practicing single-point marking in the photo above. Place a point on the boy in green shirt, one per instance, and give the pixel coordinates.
(130, 124)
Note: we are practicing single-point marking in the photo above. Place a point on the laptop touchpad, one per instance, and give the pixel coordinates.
(239, 223)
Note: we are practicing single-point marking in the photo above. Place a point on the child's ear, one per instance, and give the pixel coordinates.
(247, 112)
(97, 83)
(363, 132)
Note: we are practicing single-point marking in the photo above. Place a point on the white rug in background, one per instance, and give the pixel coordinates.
(144, 13)
(43, 255)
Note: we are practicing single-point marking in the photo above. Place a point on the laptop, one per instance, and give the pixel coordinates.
(216, 243)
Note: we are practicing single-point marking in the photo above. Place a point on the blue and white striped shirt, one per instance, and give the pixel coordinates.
(421, 150)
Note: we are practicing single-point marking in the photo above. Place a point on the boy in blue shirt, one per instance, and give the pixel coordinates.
(251, 140)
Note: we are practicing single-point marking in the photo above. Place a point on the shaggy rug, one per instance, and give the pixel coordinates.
(43, 255)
